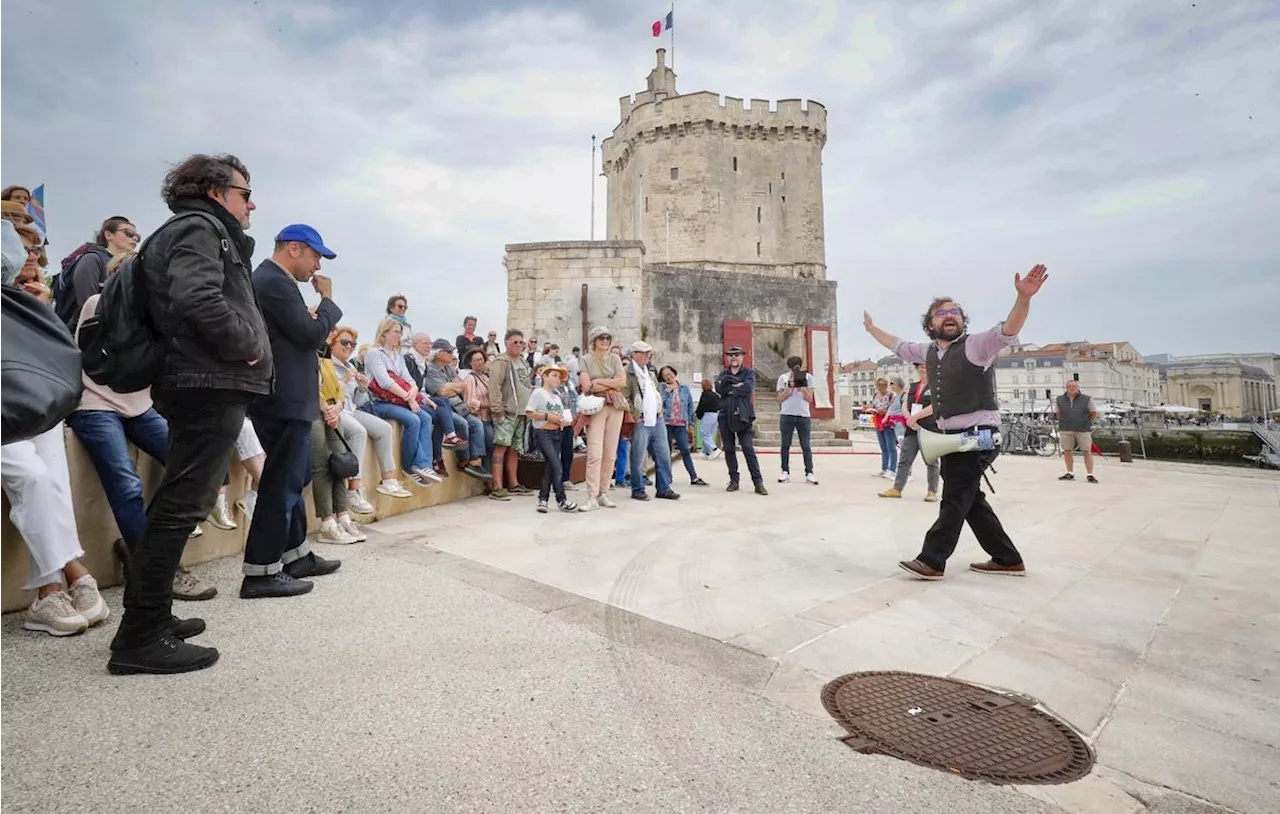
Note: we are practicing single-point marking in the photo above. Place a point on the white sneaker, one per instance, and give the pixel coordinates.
(247, 503)
(358, 502)
(570, 486)
(353, 529)
(590, 506)
(333, 534)
(87, 601)
(195, 532)
(54, 614)
(784, 477)
(392, 488)
(221, 514)
(886, 474)
(604, 501)
(811, 478)
(716, 454)
(426, 476)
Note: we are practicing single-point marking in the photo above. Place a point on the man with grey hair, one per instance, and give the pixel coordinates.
(649, 434)
(1075, 413)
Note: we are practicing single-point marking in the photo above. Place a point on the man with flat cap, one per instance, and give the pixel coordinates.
(277, 556)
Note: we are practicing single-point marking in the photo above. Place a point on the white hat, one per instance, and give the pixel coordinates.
(640, 346)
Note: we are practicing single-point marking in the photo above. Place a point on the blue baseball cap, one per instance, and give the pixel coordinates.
(302, 233)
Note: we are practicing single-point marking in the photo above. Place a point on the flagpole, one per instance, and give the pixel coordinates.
(593, 186)
(673, 36)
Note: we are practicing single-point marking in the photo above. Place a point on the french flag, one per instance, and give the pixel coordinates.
(664, 25)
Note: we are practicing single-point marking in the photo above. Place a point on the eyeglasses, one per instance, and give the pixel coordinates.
(248, 193)
(947, 312)
(517, 341)
(346, 343)
(33, 251)
(129, 233)
(399, 307)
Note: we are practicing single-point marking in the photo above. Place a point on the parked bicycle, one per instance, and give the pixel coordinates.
(1022, 437)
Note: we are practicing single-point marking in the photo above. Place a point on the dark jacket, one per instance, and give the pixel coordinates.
(200, 298)
(415, 372)
(87, 270)
(296, 336)
(735, 389)
(708, 403)
(924, 399)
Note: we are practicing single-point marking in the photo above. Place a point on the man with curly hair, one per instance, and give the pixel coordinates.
(961, 370)
(200, 300)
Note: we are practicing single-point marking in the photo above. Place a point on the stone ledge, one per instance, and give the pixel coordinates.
(577, 244)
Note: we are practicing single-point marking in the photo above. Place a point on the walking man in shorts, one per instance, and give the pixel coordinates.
(1076, 415)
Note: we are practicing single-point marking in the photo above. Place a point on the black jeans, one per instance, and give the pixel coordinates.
(963, 500)
(203, 425)
(801, 425)
(566, 453)
(548, 443)
(278, 533)
(729, 441)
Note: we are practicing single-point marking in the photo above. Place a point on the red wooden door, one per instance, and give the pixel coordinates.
(738, 333)
(817, 339)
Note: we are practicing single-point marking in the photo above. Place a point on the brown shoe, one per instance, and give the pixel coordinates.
(993, 567)
(919, 570)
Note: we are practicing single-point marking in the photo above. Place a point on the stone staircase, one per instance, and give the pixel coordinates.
(769, 436)
(1270, 435)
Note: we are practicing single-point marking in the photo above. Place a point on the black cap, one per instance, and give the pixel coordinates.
(734, 350)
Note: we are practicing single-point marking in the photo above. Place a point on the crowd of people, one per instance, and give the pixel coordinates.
(250, 370)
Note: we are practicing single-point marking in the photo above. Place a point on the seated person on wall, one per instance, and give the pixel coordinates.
(355, 387)
(440, 380)
(476, 393)
(394, 397)
(328, 437)
(446, 431)
(105, 423)
(35, 477)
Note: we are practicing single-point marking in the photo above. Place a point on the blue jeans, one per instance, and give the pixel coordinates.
(707, 426)
(415, 438)
(444, 422)
(105, 436)
(888, 449)
(623, 463)
(469, 428)
(801, 425)
(652, 441)
(548, 443)
(681, 436)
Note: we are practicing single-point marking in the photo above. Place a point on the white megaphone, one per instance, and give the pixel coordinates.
(933, 445)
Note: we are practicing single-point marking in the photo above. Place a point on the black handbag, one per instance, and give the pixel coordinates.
(343, 465)
(40, 383)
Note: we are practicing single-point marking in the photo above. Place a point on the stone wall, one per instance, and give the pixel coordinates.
(97, 526)
(685, 312)
(544, 288)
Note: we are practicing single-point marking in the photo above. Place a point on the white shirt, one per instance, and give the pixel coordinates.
(795, 404)
(650, 401)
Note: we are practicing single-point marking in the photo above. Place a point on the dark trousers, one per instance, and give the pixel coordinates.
(566, 453)
(801, 425)
(548, 443)
(279, 530)
(203, 425)
(963, 501)
(730, 439)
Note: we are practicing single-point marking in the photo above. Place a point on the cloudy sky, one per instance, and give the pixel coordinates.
(1134, 147)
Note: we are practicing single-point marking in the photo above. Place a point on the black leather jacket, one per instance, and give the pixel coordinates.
(201, 299)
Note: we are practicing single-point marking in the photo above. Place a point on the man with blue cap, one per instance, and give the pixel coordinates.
(277, 556)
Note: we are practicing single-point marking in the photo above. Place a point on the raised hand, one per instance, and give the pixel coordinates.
(1029, 285)
(866, 321)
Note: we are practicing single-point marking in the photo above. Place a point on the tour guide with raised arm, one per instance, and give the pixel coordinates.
(962, 379)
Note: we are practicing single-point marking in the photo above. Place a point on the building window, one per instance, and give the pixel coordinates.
(735, 163)
(757, 214)
(757, 248)
(784, 178)
(646, 203)
(675, 173)
(1048, 394)
(1075, 377)
(784, 200)
(770, 187)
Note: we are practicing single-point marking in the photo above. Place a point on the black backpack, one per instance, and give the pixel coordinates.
(119, 345)
(63, 289)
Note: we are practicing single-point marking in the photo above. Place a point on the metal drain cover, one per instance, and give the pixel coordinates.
(955, 726)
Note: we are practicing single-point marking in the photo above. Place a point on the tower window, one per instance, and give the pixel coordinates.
(784, 178)
(770, 187)
(784, 200)
(757, 248)
(646, 203)
(757, 214)
(735, 163)
(675, 173)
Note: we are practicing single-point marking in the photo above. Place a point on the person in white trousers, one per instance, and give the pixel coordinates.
(36, 480)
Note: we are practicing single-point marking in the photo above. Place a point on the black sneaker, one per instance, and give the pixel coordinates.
(186, 628)
(732, 487)
(639, 496)
(1067, 476)
(166, 656)
(668, 496)
(760, 490)
(568, 506)
(312, 565)
(698, 482)
(1091, 479)
(478, 472)
(280, 584)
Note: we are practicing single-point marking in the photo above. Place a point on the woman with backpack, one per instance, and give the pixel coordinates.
(85, 269)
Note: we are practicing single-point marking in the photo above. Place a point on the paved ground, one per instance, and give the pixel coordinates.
(662, 656)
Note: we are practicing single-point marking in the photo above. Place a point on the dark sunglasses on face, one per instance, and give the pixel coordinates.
(129, 233)
(245, 191)
(346, 343)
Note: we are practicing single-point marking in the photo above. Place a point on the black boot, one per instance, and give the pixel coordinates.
(186, 628)
(165, 656)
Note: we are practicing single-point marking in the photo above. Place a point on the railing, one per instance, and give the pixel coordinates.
(1270, 435)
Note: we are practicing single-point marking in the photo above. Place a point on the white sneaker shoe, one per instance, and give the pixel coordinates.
(570, 486)
(358, 502)
(247, 503)
(221, 514)
(54, 614)
(784, 477)
(887, 474)
(426, 476)
(87, 601)
(353, 529)
(590, 506)
(604, 501)
(333, 534)
(811, 478)
(392, 488)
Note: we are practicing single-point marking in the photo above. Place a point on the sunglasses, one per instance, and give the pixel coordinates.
(248, 193)
(346, 343)
(947, 312)
(129, 233)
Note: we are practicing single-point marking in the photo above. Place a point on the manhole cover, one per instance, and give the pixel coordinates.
(957, 727)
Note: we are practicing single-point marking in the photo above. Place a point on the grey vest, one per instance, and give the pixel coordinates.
(959, 386)
(1074, 417)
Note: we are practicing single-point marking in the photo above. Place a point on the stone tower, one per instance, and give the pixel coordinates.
(710, 184)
